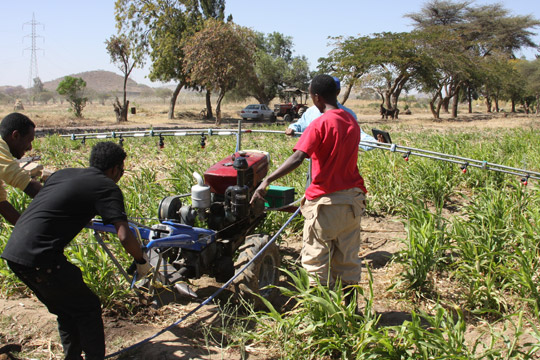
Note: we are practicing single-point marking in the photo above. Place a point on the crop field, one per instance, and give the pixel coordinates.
(451, 259)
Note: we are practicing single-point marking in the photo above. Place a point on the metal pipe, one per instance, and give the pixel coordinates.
(485, 165)
(453, 159)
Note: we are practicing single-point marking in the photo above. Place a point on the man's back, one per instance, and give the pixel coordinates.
(68, 201)
(332, 143)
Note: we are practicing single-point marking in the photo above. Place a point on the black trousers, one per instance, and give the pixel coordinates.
(62, 289)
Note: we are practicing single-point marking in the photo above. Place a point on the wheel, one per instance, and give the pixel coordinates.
(301, 111)
(287, 118)
(262, 272)
(169, 208)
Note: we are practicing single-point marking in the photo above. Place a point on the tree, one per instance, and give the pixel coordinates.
(73, 89)
(119, 49)
(39, 93)
(346, 61)
(38, 86)
(391, 59)
(513, 87)
(275, 68)
(298, 74)
(159, 28)
(45, 96)
(163, 93)
(472, 34)
(220, 56)
(530, 71)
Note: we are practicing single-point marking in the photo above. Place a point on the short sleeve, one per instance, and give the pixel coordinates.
(110, 206)
(310, 139)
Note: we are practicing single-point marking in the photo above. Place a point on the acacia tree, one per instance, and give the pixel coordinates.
(119, 49)
(73, 89)
(391, 59)
(345, 60)
(474, 35)
(218, 57)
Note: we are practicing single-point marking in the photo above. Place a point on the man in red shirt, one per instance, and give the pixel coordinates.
(335, 199)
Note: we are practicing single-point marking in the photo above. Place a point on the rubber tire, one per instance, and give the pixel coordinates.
(263, 271)
(287, 118)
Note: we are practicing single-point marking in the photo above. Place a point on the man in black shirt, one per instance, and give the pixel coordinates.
(35, 250)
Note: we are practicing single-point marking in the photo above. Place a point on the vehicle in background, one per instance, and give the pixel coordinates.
(294, 105)
(258, 112)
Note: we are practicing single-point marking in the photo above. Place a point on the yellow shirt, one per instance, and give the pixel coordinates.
(10, 171)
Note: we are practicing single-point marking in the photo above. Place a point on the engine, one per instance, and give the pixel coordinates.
(223, 197)
(222, 202)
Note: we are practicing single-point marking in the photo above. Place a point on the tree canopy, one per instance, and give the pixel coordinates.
(159, 29)
(73, 89)
(220, 56)
(274, 68)
(455, 46)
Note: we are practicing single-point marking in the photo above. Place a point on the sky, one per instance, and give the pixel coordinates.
(71, 34)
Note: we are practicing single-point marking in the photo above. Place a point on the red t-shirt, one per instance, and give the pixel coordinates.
(331, 141)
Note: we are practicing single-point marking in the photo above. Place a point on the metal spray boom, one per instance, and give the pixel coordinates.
(464, 163)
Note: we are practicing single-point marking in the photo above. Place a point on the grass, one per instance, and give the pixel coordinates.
(479, 230)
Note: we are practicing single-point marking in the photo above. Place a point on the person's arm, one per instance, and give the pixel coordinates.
(307, 117)
(9, 212)
(33, 188)
(294, 127)
(366, 137)
(129, 241)
(289, 165)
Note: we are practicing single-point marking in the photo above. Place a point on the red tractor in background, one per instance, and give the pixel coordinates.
(294, 105)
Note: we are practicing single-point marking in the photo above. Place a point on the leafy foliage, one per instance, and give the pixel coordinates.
(73, 89)
(275, 68)
(219, 56)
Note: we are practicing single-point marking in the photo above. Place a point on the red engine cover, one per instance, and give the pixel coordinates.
(222, 175)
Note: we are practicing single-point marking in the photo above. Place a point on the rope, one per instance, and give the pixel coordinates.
(205, 302)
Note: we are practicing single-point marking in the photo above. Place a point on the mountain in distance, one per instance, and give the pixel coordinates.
(103, 81)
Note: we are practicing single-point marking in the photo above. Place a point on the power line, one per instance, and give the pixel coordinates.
(33, 73)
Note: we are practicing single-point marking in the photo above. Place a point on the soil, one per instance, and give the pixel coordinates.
(27, 322)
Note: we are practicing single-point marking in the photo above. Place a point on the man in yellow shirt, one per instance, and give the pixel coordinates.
(17, 132)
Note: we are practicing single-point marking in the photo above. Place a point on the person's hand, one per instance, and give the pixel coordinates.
(36, 171)
(45, 175)
(259, 193)
(143, 267)
(289, 132)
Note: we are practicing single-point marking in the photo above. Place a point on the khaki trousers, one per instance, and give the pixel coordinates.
(331, 238)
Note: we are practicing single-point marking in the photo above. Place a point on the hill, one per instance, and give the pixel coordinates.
(103, 81)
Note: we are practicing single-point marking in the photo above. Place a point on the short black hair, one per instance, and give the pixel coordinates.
(106, 155)
(324, 86)
(16, 121)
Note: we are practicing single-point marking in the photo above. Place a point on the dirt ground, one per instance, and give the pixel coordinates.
(26, 321)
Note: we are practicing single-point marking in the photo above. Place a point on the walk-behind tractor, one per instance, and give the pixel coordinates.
(220, 205)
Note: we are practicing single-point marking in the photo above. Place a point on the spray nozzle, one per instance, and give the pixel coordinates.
(406, 155)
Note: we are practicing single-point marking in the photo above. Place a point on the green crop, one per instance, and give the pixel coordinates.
(478, 230)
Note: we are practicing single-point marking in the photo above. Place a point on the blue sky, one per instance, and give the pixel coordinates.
(73, 32)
